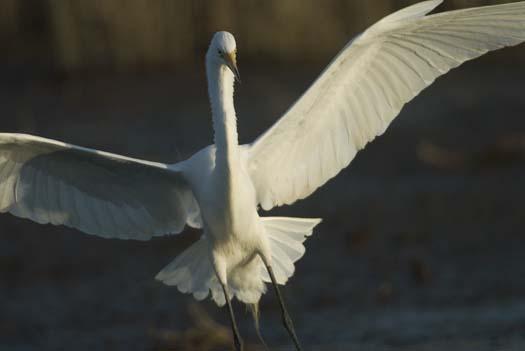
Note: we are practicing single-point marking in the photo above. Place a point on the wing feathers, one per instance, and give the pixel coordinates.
(414, 11)
(96, 192)
(364, 89)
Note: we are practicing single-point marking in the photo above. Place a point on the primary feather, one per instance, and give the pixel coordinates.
(364, 89)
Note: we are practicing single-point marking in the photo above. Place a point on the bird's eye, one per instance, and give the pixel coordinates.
(220, 52)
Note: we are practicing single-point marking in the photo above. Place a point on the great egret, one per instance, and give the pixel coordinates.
(220, 188)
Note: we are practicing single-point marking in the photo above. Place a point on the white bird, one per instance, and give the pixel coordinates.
(220, 188)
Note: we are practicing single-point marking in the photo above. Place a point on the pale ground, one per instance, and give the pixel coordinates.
(419, 250)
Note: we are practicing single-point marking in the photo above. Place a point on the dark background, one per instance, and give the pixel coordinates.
(422, 244)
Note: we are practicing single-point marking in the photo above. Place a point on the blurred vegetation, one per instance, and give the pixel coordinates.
(131, 34)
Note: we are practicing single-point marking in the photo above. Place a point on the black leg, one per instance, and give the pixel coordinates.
(287, 321)
(236, 336)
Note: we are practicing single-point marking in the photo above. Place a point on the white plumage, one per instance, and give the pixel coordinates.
(220, 188)
(364, 89)
(96, 192)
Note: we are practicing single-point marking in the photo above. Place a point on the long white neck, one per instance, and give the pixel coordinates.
(220, 89)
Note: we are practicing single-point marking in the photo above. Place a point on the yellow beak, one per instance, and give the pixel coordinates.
(231, 61)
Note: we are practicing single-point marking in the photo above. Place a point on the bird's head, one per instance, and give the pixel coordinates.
(223, 51)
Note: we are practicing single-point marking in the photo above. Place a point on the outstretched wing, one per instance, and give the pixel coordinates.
(364, 88)
(96, 192)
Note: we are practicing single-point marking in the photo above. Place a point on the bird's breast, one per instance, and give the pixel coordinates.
(229, 207)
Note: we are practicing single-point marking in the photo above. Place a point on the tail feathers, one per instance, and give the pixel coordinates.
(286, 236)
(191, 271)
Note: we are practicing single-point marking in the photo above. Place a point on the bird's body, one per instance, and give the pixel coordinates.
(233, 231)
(221, 187)
(235, 238)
